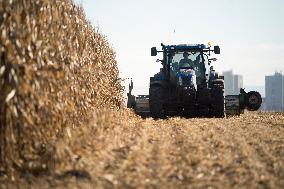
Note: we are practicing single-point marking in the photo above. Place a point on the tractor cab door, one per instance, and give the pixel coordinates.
(199, 67)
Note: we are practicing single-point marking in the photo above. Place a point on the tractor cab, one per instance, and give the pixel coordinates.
(179, 58)
(187, 61)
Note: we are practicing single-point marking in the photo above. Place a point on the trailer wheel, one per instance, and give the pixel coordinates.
(218, 101)
(253, 100)
(156, 102)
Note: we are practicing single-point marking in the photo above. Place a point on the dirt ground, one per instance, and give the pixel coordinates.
(119, 150)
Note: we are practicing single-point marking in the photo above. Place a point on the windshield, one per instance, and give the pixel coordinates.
(189, 59)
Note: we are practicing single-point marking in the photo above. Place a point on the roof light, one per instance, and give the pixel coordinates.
(209, 44)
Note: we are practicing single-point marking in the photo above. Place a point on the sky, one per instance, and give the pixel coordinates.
(250, 34)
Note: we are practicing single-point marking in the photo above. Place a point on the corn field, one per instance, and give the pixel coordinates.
(63, 123)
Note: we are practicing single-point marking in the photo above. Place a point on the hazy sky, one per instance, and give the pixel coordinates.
(250, 33)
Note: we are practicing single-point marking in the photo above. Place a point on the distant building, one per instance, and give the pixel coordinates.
(233, 83)
(274, 92)
(238, 84)
(229, 82)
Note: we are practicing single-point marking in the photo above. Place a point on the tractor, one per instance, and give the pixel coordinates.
(187, 85)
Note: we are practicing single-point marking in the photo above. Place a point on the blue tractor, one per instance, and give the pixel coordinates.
(187, 85)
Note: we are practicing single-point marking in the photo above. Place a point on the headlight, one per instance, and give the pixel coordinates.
(180, 81)
(191, 81)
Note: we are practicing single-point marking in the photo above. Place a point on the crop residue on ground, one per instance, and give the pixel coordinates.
(120, 150)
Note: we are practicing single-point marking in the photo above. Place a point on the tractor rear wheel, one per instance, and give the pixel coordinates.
(156, 102)
(218, 101)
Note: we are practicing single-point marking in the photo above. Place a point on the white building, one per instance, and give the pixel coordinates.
(238, 84)
(233, 83)
(229, 82)
(274, 92)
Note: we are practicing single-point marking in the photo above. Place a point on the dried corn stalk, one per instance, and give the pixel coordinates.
(54, 69)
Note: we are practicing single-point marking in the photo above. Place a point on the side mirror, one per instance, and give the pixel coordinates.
(154, 51)
(216, 49)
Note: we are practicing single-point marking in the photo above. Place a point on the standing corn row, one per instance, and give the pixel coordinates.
(54, 70)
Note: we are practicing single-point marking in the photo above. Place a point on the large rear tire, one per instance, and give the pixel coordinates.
(156, 102)
(218, 100)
